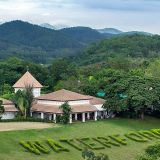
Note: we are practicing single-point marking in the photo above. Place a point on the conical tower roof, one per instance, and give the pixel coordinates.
(27, 80)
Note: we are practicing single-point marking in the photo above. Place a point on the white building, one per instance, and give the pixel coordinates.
(10, 109)
(83, 107)
(28, 80)
(47, 106)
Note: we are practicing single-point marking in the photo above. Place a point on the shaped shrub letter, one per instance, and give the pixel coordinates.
(136, 137)
(57, 147)
(148, 134)
(106, 142)
(88, 142)
(156, 131)
(118, 139)
(71, 143)
(34, 147)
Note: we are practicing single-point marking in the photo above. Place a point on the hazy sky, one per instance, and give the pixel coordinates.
(142, 15)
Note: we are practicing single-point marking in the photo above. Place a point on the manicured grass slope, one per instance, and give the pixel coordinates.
(11, 150)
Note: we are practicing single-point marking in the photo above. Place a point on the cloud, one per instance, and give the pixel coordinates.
(128, 5)
(123, 14)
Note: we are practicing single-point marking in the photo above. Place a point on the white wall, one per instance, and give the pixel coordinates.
(99, 107)
(9, 115)
(58, 103)
(36, 91)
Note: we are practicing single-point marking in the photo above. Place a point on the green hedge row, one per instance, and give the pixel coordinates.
(90, 145)
(105, 141)
(136, 137)
(156, 131)
(148, 134)
(71, 143)
(118, 139)
(57, 147)
(35, 147)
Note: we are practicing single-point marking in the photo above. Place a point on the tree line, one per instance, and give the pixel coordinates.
(131, 86)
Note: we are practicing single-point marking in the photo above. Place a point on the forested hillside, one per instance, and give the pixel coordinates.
(32, 42)
(135, 46)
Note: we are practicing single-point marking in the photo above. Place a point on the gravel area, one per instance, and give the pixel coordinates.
(10, 126)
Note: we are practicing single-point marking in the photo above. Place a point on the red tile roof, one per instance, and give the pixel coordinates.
(64, 95)
(5, 101)
(56, 109)
(96, 101)
(8, 105)
(27, 80)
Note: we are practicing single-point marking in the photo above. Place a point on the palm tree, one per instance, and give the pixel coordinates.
(2, 110)
(23, 100)
(18, 100)
(29, 98)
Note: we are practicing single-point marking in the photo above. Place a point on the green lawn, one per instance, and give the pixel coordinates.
(11, 150)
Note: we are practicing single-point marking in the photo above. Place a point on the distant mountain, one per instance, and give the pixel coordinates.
(55, 27)
(84, 35)
(109, 31)
(137, 32)
(28, 41)
(116, 32)
(47, 25)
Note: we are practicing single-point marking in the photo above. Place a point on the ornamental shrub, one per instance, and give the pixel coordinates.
(30, 147)
(90, 155)
(153, 150)
(106, 142)
(136, 137)
(57, 147)
(91, 145)
(71, 143)
(118, 139)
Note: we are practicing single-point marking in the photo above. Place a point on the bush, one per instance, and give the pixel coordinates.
(119, 140)
(90, 155)
(90, 145)
(35, 147)
(136, 137)
(151, 153)
(148, 134)
(105, 141)
(57, 147)
(29, 147)
(153, 150)
(69, 141)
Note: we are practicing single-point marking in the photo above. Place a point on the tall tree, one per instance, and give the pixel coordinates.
(28, 98)
(133, 93)
(66, 112)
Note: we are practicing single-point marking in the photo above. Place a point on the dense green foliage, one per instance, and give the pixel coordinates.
(126, 46)
(66, 113)
(126, 68)
(152, 152)
(23, 101)
(90, 155)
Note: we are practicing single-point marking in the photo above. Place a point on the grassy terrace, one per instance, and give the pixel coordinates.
(11, 150)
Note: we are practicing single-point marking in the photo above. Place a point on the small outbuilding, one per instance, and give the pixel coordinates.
(10, 109)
